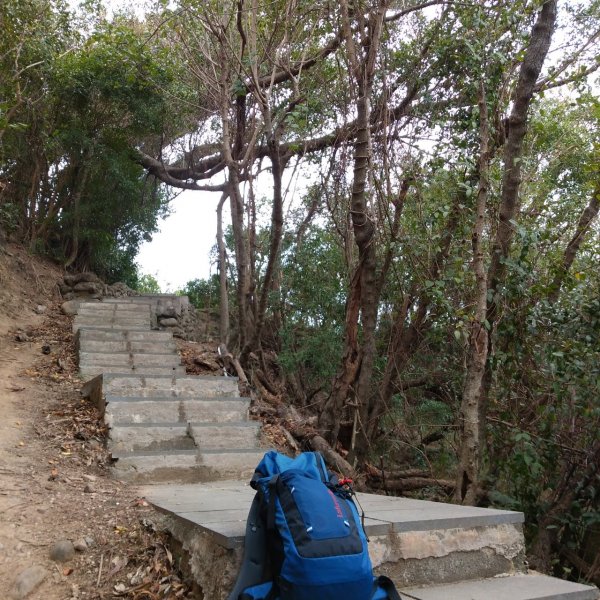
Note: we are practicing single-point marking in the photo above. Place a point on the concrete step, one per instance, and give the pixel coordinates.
(531, 586)
(171, 436)
(236, 434)
(104, 308)
(126, 319)
(129, 359)
(108, 326)
(169, 387)
(412, 541)
(150, 436)
(86, 371)
(123, 411)
(107, 335)
(158, 347)
(186, 466)
(144, 299)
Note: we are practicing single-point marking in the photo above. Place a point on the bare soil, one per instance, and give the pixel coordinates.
(54, 482)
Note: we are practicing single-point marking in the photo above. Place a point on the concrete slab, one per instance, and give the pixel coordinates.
(142, 298)
(122, 308)
(189, 466)
(225, 435)
(124, 335)
(150, 436)
(129, 359)
(87, 371)
(516, 587)
(110, 320)
(169, 410)
(109, 326)
(407, 514)
(175, 387)
(158, 347)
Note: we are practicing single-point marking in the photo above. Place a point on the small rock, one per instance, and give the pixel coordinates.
(72, 280)
(170, 322)
(90, 477)
(207, 361)
(70, 307)
(64, 288)
(62, 551)
(22, 337)
(167, 312)
(89, 489)
(27, 581)
(90, 541)
(88, 287)
(42, 509)
(80, 545)
(40, 309)
(148, 524)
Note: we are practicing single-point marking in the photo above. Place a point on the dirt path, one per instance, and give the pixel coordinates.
(54, 483)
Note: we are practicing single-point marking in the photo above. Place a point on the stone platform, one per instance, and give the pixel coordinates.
(432, 551)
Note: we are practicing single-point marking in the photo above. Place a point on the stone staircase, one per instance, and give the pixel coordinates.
(189, 442)
(163, 424)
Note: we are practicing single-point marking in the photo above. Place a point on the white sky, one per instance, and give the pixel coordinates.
(180, 251)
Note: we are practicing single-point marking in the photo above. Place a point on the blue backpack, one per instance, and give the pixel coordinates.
(304, 537)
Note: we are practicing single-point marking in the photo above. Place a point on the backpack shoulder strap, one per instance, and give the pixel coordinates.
(255, 552)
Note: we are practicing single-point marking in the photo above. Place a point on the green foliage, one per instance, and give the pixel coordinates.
(312, 304)
(9, 217)
(78, 108)
(147, 284)
(202, 293)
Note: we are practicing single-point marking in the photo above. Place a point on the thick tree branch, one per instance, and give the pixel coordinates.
(583, 226)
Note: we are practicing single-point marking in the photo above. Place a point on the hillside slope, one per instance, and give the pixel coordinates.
(53, 465)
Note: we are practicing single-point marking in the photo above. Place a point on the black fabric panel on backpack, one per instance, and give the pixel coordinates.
(311, 548)
(276, 551)
(252, 571)
(385, 583)
(324, 474)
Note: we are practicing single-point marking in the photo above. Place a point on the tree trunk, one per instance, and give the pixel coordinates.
(241, 256)
(357, 365)
(467, 479)
(81, 180)
(223, 287)
(275, 243)
(533, 60)
(531, 67)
